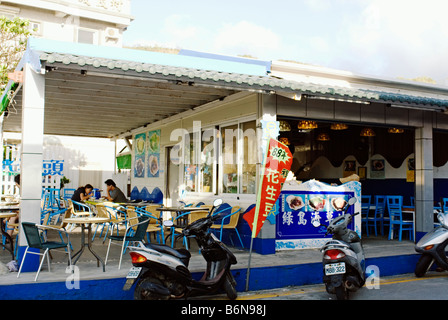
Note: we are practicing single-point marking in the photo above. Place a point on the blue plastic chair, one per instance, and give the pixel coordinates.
(152, 227)
(379, 215)
(394, 207)
(230, 222)
(68, 193)
(365, 208)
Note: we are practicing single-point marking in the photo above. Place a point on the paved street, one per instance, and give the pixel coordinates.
(434, 286)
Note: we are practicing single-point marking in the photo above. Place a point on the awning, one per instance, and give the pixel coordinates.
(106, 92)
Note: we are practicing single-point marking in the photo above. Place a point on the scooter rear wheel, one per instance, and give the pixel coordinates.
(422, 265)
(341, 292)
(142, 294)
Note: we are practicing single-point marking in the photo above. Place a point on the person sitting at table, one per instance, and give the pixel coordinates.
(114, 193)
(81, 194)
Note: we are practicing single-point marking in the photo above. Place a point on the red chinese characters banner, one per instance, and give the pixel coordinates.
(275, 169)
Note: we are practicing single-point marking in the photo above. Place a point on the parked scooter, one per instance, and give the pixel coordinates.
(162, 272)
(343, 256)
(432, 247)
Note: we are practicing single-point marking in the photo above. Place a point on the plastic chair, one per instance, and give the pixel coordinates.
(444, 205)
(112, 214)
(78, 209)
(136, 235)
(365, 208)
(190, 216)
(68, 193)
(231, 225)
(34, 239)
(380, 214)
(81, 209)
(155, 224)
(394, 206)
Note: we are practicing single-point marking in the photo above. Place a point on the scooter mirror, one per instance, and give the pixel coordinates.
(217, 202)
(352, 201)
(168, 223)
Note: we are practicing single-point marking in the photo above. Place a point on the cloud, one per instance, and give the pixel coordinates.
(180, 27)
(397, 38)
(245, 37)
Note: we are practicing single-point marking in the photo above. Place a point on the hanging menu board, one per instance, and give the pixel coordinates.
(300, 205)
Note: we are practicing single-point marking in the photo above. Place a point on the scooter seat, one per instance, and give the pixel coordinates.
(182, 253)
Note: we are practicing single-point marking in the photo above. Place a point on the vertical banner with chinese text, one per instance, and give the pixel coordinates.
(276, 166)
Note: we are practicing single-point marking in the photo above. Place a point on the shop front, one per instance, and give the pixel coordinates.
(196, 125)
(217, 152)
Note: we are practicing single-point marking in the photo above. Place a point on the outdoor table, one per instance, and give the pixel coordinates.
(6, 215)
(181, 210)
(86, 223)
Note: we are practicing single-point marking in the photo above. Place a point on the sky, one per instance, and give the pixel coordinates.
(382, 38)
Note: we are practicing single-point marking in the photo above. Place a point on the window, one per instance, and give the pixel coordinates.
(235, 146)
(239, 158)
(35, 28)
(87, 36)
(200, 161)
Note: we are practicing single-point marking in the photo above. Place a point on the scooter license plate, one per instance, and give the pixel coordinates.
(134, 273)
(335, 268)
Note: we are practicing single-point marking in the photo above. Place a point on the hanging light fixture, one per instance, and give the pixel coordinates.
(395, 130)
(367, 132)
(323, 137)
(284, 126)
(285, 141)
(338, 126)
(307, 125)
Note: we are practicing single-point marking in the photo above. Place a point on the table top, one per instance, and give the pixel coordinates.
(116, 204)
(11, 207)
(7, 214)
(84, 220)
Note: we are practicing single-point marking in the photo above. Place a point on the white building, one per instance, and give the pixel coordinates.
(97, 22)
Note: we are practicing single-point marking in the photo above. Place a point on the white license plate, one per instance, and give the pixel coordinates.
(335, 268)
(133, 272)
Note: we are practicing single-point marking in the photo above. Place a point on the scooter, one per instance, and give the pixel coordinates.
(343, 256)
(432, 247)
(161, 272)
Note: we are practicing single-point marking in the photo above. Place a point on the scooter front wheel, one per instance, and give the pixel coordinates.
(423, 265)
(229, 287)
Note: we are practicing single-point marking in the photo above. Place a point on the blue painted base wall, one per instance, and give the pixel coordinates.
(260, 278)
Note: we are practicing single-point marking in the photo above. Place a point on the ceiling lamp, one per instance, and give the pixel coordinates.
(285, 141)
(367, 132)
(284, 126)
(395, 130)
(338, 126)
(323, 137)
(307, 125)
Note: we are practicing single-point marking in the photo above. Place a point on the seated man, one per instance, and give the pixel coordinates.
(114, 193)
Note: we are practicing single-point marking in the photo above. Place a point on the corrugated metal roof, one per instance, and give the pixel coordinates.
(244, 78)
(119, 92)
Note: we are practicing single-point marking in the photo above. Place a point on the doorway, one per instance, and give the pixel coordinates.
(173, 167)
